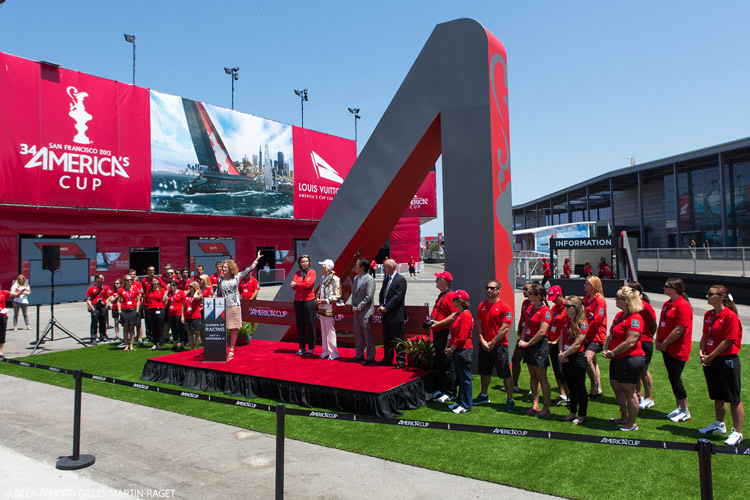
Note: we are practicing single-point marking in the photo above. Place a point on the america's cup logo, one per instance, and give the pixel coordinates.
(79, 114)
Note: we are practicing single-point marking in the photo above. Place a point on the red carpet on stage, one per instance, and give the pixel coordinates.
(271, 370)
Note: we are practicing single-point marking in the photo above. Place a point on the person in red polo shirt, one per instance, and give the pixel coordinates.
(720, 345)
(546, 271)
(646, 398)
(674, 338)
(174, 299)
(494, 318)
(96, 301)
(460, 349)
(3, 318)
(305, 305)
(536, 348)
(249, 287)
(566, 269)
(215, 276)
(596, 315)
(440, 318)
(623, 347)
(559, 317)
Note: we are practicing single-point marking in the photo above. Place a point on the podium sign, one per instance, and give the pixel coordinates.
(215, 329)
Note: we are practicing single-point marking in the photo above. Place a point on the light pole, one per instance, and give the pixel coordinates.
(355, 112)
(131, 39)
(235, 76)
(302, 94)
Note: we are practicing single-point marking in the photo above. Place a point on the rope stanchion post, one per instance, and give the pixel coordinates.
(35, 342)
(705, 449)
(76, 460)
(280, 413)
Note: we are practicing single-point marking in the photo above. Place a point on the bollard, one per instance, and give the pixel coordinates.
(34, 342)
(76, 460)
(705, 449)
(280, 413)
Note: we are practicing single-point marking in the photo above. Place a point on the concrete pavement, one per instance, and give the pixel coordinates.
(143, 452)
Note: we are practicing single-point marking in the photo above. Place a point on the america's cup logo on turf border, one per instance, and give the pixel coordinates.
(79, 114)
(324, 170)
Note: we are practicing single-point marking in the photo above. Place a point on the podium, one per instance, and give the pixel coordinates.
(215, 330)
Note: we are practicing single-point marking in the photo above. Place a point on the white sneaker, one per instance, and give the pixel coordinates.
(459, 409)
(681, 416)
(453, 406)
(646, 403)
(715, 428)
(734, 438)
(445, 398)
(673, 413)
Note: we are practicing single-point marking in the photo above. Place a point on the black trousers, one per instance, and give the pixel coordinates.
(391, 332)
(99, 322)
(304, 316)
(674, 371)
(446, 375)
(155, 318)
(574, 372)
(178, 330)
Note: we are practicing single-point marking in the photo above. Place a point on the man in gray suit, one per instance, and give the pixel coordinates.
(363, 294)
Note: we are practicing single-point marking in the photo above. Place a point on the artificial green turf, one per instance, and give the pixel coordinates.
(574, 470)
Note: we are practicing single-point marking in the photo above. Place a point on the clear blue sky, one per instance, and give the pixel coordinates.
(590, 82)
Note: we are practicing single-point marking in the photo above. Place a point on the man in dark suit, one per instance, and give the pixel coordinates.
(392, 298)
(363, 306)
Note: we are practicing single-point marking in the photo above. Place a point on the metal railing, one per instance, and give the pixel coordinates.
(273, 276)
(720, 261)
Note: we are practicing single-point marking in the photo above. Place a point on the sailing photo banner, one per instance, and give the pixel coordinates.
(69, 139)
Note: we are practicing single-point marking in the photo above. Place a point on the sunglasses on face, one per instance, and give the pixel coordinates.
(667, 286)
(569, 306)
(490, 288)
(711, 294)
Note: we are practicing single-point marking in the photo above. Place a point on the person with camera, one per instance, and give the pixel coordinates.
(460, 349)
(439, 324)
(96, 302)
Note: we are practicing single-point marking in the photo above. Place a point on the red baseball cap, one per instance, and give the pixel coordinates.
(567, 260)
(554, 292)
(445, 276)
(461, 294)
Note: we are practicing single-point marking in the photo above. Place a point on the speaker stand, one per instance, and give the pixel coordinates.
(52, 320)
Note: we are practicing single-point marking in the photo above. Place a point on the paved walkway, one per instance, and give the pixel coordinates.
(147, 453)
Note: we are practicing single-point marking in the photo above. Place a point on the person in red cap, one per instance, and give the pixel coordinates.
(546, 271)
(559, 317)
(566, 269)
(460, 349)
(440, 322)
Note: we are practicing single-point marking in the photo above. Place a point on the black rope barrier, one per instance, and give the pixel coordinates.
(401, 422)
(703, 447)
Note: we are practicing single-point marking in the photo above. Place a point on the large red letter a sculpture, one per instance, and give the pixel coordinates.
(454, 101)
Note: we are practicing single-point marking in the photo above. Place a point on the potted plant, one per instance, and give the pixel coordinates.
(245, 333)
(419, 351)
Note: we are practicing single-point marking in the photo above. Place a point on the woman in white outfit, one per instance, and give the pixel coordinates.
(20, 292)
(329, 292)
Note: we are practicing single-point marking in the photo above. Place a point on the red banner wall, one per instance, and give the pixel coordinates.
(424, 203)
(71, 139)
(405, 240)
(321, 162)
